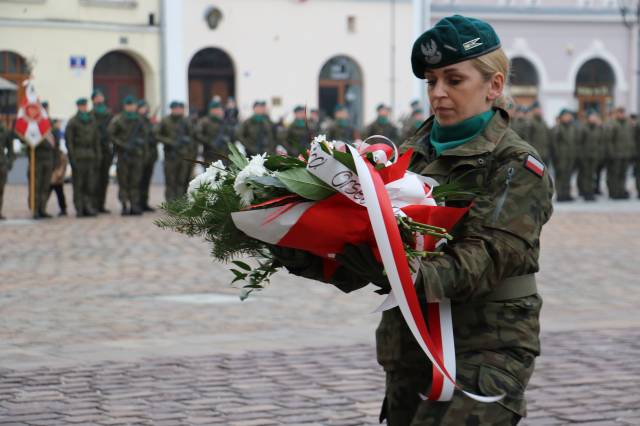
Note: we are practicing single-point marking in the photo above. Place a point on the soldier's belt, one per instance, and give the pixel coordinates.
(514, 288)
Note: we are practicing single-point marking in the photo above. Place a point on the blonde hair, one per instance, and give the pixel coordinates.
(490, 64)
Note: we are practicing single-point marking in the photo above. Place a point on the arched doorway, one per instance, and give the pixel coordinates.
(117, 75)
(211, 73)
(524, 81)
(341, 83)
(15, 70)
(595, 85)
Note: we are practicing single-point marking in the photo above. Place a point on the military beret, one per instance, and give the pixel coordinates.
(340, 107)
(215, 104)
(453, 39)
(81, 101)
(128, 100)
(45, 104)
(176, 104)
(380, 106)
(564, 111)
(415, 103)
(299, 108)
(142, 103)
(259, 103)
(96, 92)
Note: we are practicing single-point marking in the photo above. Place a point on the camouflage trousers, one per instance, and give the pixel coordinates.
(129, 178)
(177, 174)
(485, 373)
(43, 172)
(3, 180)
(147, 174)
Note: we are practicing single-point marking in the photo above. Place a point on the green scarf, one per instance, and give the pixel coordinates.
(100, 109)
(215, 118)
(383, 120)
(84, 116)
(298, 123)
(342, 122)
(258, 118)
(131, 115)
(443, 138)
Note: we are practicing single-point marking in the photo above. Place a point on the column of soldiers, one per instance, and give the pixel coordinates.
(599, 146)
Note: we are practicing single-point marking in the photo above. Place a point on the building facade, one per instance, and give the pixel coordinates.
(565, 53)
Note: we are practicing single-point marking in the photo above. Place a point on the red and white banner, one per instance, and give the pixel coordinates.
(32, 123)
(364, 211)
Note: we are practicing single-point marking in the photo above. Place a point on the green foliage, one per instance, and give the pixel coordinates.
(301, 182)
(236, 158)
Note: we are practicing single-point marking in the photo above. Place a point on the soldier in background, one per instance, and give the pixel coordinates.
(382, 125)
(44, 158)
(589, 150)
(102, 117)
(621, 151)
(231, 115)
(211, 132)
(7, 157)
(563, 152)
(315, 124)
(341, 129)
(412, 125)
(406, 120)
(299, 134)
(128, 133)
(539, 135)
(256, 133)
(176, 135)
(83, 145)
(150, 155)
(59, 170)
(520, 123)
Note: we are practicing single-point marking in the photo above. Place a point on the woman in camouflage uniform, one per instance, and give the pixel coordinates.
(487, 270)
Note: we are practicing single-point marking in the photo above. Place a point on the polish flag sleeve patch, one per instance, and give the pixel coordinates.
(534, 165)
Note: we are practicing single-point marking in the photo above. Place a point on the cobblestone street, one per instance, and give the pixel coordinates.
(113, 321)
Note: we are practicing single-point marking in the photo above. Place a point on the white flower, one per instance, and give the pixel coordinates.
(240, 148)
(212, 176)
(255, 168)
(320, 139)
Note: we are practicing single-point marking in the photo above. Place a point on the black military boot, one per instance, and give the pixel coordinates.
(135, 210)
(148, 208)
(125, 210)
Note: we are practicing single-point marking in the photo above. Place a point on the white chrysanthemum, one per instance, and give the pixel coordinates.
(320, 138)
(240, 148)
(213, 175)
(255, 168)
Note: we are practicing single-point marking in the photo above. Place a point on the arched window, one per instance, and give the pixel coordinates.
(117, 75)
(13, 69)
(340, 82)
(595, 87)
(211, 73)
(524, 82)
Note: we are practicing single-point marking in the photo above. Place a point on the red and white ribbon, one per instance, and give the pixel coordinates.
(387, 236)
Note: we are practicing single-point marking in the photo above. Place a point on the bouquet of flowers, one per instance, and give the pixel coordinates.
(247, 205)
(336, 194)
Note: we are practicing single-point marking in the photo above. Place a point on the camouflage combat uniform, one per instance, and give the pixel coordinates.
(341, 130)
(7, 157)
(496, 339)
(621, 151)
(129, 135)
(102, 120)
(175, 133)
(381, 127)
(83, 144)
(298, 138)
(589, 150)
(540, 138)
(148, 163)
(257, 135)
(211, 132)
(563, 155)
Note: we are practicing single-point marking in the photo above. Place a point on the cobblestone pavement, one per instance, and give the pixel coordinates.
(113, 321)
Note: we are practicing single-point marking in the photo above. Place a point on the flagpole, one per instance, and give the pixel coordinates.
(32, 180)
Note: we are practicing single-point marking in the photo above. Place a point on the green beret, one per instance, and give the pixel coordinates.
(142, 103)
(128, 100)
(299, 108)
(96, 92)
(215, 104)
(45, 104)
(176, 104)
(453, 39)
(415, 104)
(564, 111)
(380, 106)
(81, 101)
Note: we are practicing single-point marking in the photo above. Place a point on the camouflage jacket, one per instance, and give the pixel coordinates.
(257, 135)
(539, 136)
(211, 132)
(176, 134)
(82, 139)
(102, 121)
(621, 140)
(7, 156)
(129, 136)
(338, 132)
(564, 138)
(298, 139)
(591, 143)
(385, 129)
(522, 126)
